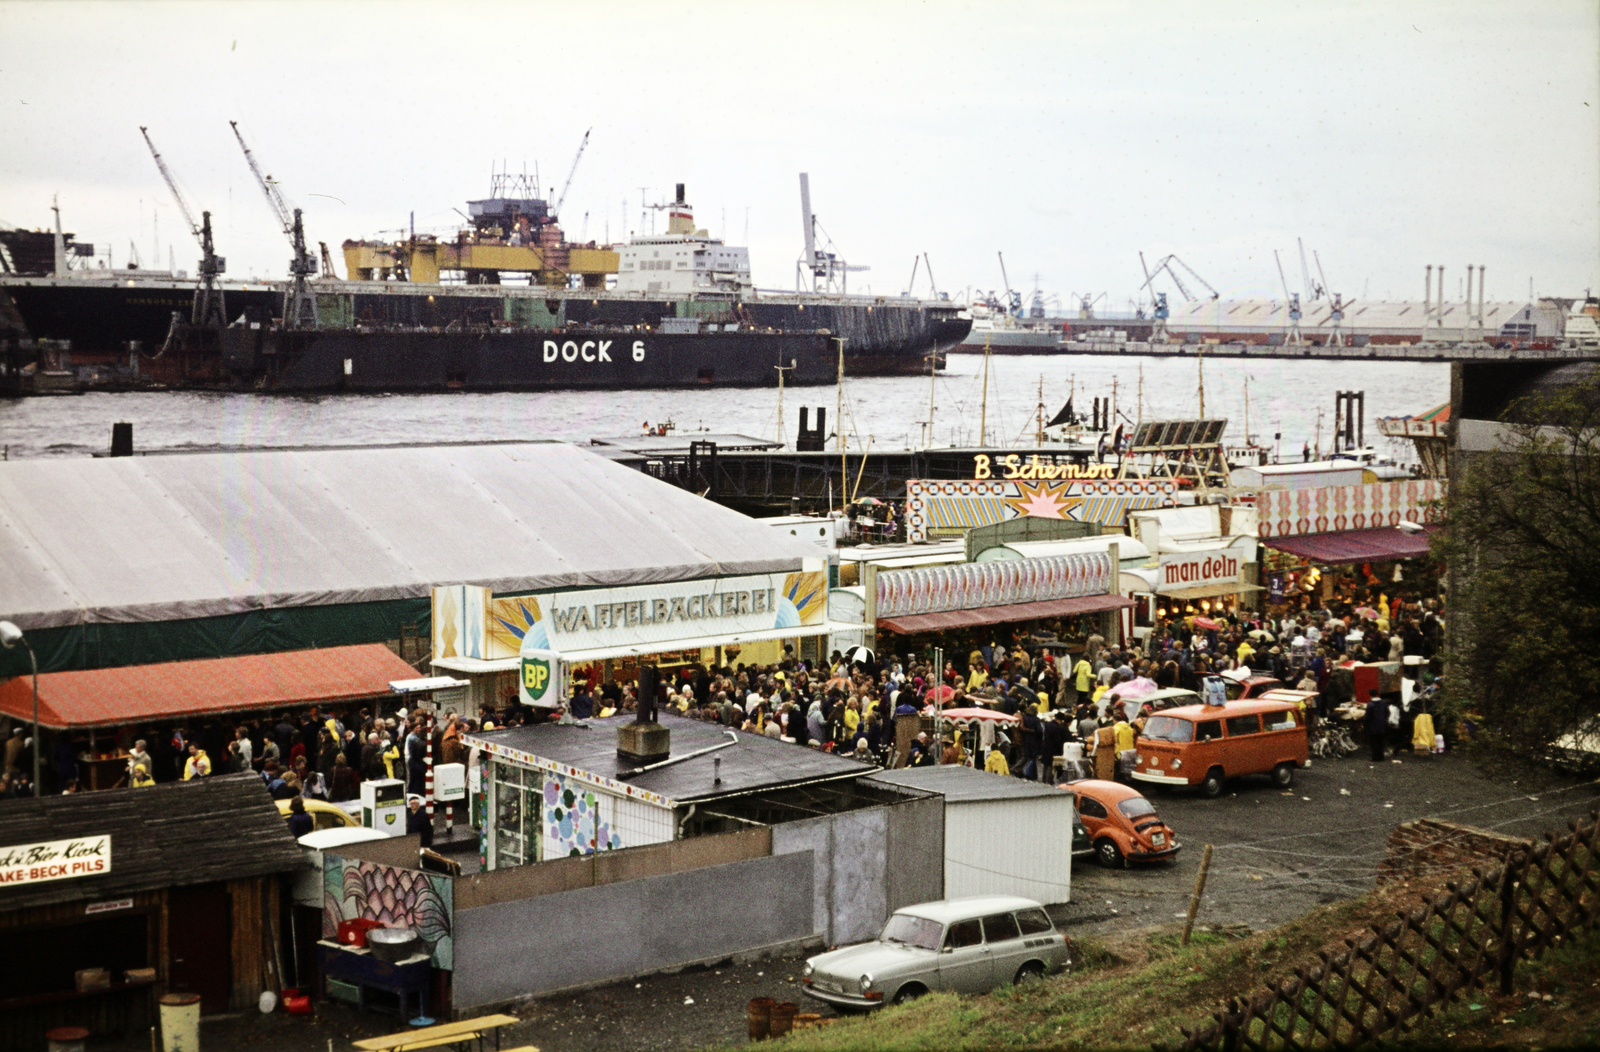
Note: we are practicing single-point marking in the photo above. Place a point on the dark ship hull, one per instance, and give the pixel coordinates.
(418, 337)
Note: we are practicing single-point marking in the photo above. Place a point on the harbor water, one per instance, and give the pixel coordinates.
(1286, 397)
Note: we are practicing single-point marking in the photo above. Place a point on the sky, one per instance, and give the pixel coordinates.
(1069, 136)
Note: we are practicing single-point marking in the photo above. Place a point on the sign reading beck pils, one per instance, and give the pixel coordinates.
(55, 860)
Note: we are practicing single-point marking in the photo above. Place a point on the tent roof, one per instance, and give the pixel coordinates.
(1355, 546)
(156, 538)
(109, 697)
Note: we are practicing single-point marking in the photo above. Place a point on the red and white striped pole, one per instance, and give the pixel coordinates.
(427, 779)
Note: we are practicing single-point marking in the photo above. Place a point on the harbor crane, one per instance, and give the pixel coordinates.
(1159, 311)
(1167, 265)
(299, 302)
(1013, 299)
(1086, 303)
(823, 271)
(1292, 336)
(208, 312)
(572, 172)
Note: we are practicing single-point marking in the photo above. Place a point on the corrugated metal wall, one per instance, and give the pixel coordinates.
(1009, 847)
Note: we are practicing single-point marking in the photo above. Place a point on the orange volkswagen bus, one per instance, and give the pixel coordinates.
(1205, 745)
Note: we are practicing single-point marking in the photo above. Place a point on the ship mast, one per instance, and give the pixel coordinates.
(1038, 415)
(1200, 369)
(838, 428)
(983, 413)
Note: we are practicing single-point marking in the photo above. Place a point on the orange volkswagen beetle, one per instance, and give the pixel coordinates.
(1122, 825)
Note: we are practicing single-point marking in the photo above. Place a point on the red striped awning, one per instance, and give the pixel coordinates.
(110, 697)
(906, 624)
(1355, 546)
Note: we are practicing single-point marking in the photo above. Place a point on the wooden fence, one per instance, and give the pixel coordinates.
(1474, 931)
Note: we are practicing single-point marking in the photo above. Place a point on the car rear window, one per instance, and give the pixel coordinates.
(1001, 926)
(912, 931)
(1168, 729)
(1248, 724)
(1034, 922)
(965, 933)
(1136, 807)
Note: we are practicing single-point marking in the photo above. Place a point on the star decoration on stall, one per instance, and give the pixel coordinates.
(1043, 500)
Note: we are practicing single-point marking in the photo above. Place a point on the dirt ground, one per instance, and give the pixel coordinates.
(1276, 855)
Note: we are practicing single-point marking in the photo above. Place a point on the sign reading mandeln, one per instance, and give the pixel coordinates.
(1190, 569)
(55, 860)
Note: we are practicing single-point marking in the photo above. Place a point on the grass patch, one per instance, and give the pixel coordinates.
(1125, 992)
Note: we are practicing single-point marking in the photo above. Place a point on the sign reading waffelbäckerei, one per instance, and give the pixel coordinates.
(55, 860)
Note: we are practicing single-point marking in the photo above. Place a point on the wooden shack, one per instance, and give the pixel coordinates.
(183, 879)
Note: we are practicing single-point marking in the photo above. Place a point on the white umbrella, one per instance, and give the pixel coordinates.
(859, 655)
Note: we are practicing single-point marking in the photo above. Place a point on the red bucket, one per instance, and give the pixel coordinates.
(354, 932)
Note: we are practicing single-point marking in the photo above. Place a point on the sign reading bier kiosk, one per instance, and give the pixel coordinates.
(88, 856)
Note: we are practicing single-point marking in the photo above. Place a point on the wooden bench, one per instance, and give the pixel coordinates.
(458, 1035)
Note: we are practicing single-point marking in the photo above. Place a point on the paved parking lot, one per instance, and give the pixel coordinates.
(1277, 854)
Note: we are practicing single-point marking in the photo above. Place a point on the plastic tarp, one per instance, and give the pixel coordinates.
(158, 538)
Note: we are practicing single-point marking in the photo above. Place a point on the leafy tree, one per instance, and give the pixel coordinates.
(1522, 543)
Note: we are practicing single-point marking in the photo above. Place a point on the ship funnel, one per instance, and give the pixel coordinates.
(680, 193)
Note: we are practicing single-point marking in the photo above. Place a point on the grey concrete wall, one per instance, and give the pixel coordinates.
(869, 863)
(915, 852)
(535, 945)
(609, 867)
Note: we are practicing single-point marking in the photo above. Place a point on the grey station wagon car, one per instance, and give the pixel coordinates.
(968, 946)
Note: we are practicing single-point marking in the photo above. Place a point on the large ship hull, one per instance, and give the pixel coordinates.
(503, 360)
(1011, 341)
(880, 337)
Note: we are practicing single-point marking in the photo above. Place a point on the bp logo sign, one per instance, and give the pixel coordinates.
(541, 679)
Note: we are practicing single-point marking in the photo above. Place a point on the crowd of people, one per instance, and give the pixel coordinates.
(1053, 684)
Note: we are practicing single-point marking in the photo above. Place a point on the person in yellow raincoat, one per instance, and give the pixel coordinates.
(197, 765)
(996, 763)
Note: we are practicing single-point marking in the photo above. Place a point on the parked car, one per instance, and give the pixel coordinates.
(1205, 745)
(1122, 825)
(1251, 687)
(968, 945)
(1165, 698)
(324, 815)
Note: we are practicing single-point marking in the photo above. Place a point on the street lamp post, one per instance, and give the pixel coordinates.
(10, 636)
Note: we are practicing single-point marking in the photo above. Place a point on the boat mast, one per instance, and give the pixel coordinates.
(1247, 441)
(1200, 368)
(933, 362)
(782, 434)
(838, 426)
(983, 413)
(1038, 415)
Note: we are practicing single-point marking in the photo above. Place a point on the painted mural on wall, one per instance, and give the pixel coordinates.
(573, 824)
(394, 897)
(966, 586)
(938, 508)
(1335, 509)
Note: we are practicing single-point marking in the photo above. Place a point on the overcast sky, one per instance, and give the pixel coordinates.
(1070, 136)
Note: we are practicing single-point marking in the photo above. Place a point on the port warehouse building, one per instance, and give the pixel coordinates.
(134, 561)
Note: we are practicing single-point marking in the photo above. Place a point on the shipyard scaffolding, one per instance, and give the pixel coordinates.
(1178, 449)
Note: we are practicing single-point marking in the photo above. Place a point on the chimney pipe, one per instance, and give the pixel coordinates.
(1427, 301)
(680, 193)
(1441, 299)
(1481, 269)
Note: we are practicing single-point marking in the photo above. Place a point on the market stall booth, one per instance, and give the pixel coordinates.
(604, 633)
(110, 899)
(1342, 540)
(95, 714)
(959, 607)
